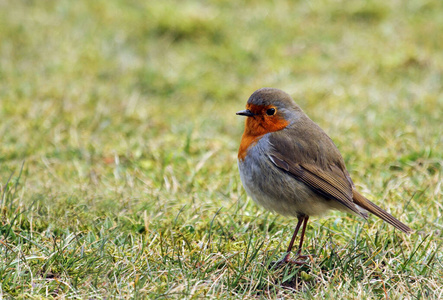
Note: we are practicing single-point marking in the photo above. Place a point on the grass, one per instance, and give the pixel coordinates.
(119, 138)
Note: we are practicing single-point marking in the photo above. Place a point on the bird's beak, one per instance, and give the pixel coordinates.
(246, 113)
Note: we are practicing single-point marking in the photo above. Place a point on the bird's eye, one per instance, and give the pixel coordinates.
(270, 111)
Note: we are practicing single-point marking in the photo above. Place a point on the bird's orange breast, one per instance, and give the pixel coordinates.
(257, 126)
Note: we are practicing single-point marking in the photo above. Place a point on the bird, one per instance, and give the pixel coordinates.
(290, 166)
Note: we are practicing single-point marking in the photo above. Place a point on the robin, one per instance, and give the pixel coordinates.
(290, 166)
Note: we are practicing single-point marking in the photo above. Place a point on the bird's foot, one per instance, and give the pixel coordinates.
(287, 259)
(308, 256)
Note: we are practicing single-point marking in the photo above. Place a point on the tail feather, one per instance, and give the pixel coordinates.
(371, 207)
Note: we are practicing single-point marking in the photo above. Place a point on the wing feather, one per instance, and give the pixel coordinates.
(328, 185)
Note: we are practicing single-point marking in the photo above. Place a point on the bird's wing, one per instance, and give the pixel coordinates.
(330, 184)
(317, 163)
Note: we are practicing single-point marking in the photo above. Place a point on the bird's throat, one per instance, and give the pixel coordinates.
(255, 128)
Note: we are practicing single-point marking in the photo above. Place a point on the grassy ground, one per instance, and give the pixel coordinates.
(119, 136)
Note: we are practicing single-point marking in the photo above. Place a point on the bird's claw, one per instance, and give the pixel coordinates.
(286, 260)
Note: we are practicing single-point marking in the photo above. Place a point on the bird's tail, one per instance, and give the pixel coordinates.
(371, 207)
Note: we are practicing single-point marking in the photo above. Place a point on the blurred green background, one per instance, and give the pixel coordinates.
(123, 113)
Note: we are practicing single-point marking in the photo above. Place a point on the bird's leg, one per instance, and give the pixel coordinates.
(301, 219)
(297, 228)
(298, 253)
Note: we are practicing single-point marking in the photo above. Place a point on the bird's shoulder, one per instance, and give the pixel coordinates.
(305, 142)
